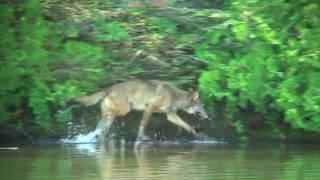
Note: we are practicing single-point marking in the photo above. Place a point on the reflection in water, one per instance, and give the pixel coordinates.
(114, 161)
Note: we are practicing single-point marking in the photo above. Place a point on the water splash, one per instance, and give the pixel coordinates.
(203, 142)
(90, 137)
(74, 137)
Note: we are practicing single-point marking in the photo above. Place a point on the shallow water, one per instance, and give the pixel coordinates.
(170, 160)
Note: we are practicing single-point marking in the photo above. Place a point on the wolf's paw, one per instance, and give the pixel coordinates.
(136, 145)
(146, 138)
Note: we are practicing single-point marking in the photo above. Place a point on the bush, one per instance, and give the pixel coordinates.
(266, 61)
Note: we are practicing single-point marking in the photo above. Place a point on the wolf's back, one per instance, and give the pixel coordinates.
(91, 99)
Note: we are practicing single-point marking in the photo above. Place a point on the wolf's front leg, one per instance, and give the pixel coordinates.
(174, 118)
(139, 137)
(145, 119)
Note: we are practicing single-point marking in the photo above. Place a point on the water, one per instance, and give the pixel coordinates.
(75, 137)
(90, 137)
(117, 160)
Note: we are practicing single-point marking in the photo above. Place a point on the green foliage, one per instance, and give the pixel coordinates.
(38, 101)
(162, 25)
(241, 130)
(111, 31)
(25, 71)
(23, 55)
(266, 62)
(255, 61)
(61, 93)
(83, 51)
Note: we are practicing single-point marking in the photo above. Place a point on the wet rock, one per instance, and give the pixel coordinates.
(13, 136)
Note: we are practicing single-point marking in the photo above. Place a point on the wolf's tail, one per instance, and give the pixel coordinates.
(91, 99)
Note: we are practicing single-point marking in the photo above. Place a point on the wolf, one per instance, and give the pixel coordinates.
(150, 96)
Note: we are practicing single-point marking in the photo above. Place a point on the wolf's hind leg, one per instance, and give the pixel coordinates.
(104, 126)
(107, 118)
(145, 119)
(111, 107)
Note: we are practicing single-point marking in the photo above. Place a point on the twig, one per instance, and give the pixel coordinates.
(9, 148)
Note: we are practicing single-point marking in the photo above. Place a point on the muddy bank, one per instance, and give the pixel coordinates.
(160, 130)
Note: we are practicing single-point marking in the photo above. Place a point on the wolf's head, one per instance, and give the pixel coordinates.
(195, 106)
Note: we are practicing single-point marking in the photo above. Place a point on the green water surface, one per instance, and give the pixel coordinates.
(173, 161)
